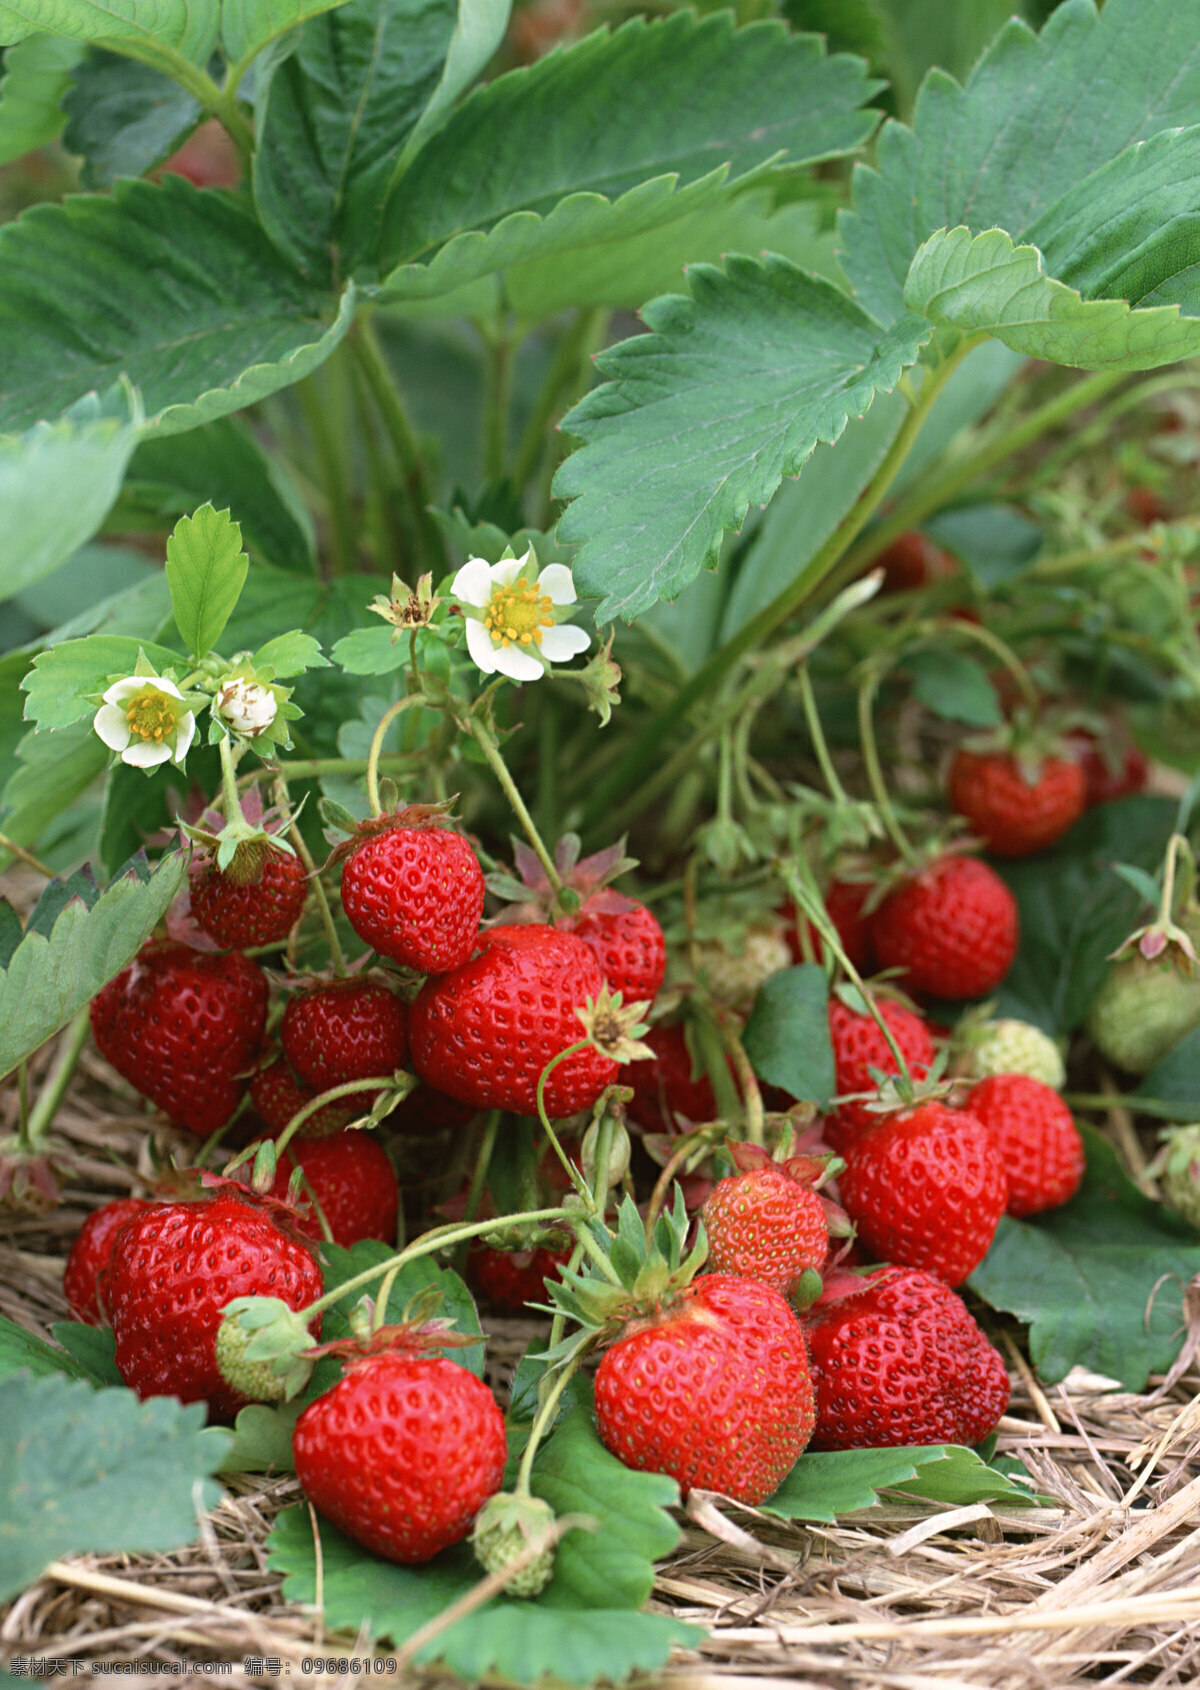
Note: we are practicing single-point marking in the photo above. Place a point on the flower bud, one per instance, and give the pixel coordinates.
(247, 707)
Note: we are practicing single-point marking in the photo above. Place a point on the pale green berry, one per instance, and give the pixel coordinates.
(1017, 1047)
(255, 1379)
(1143, 1009)
(508, 1526)
(734, 977)
(1177, 1169)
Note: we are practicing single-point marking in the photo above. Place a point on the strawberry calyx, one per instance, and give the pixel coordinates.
(238, 844)
(1166, 934)
(585, 882)
(1030, 740)
(30, 1178)
(616, 1029)
(255, 1194)
(418, 817)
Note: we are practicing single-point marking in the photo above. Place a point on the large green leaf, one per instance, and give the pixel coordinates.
(607, 140)
(124, 117)
(824, 1484)
(983, 284)
(1087, 1277)
(143, 27)
(57, 484)
(331, 118)
(706, 415)
(52, 771)
(177, 288)
(1174, 1081)
(37, 73)
(23, 1352)
(92, 1470)
(1003, 150)
(50, 977)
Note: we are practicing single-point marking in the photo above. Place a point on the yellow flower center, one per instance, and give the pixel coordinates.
(516, 615)
(150, 716)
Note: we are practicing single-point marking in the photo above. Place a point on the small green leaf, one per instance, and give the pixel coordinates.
(187, 27)
(996, 542)
(954, 686)
(262, 1439)
(371, 651)
(247, 26)
(36, 75)
(21, 1351)
(290, 654)
(64, 680)
(206, 569)
(787, 1035)
(986, 284)
(1087, 1277)
(49, 979)
(97, 1471)
(93, 1347)
(825, 1484)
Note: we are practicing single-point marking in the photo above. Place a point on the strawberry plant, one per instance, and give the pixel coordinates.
(684, 820)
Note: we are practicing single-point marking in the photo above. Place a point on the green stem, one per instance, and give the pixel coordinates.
(544, 1419)
(376, 746)
(229, 783)
(23, 1138)
(752, 1103)
(59, 1078)
(572, 1172)
(25, 856)
(568, 355)
(347, 1089)
(318, 892)
(479, 1174)
(366, 349)
(331, 456)
(870, 752)
(817, 734)
(221, 102)
(491, 750)
(648, 747)
(999, 649)
(496, 389)
(316, 768)
(1162, 1108)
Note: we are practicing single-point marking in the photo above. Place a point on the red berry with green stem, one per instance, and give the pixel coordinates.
(173, 1269)
(182, 1026)
(859, 1046)
(352, 1179)
(346, 1030)
(844, 900)
(90, 1255)
(484, 1033)
(240, 913)
(1035, 1137)
(279, 1096)
(898, 1361)
(415, 895)
(1014, 810)
(926, 1189)
(951, 927)
(402, 1454)
(768, 1222)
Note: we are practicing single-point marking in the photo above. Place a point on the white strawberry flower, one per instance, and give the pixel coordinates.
(247, 707)
(513, 615)
(147, 720)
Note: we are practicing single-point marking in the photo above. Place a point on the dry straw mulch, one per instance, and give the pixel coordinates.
(1103, 1588)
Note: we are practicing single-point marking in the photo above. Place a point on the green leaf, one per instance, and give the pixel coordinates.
(124, 117)
(954, 686)
(787, 1035)
(57, 484)
(248, 25)
(606, 140)
(290, 654)
(996, 542)
(825, 1484)
(371, 651)
(1074, 911)
(21, 1351)
(983, 284)
(90, 1471)
(331, 117)
(1175, 1080)
(478, 32)
(61, 684)
(1086, 1277)
(36, 75)
(92, 1347)
(178, 288)
(224, 463)
(706, 414)
(1001, 151)
(143, 27)
(49, 978)
(262, 1439)
(91, 575)
(206, 570)
(52, 771)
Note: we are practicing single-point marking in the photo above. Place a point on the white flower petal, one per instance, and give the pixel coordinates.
(185, 732)
(506, 571)
(559, 645)
(121, 690)
(517, 664)
(556, 580)
(110, 724)
(473, 583)
(143, 755)
(158, 684)
(479, 644)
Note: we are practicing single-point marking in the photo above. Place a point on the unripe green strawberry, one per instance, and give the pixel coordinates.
(255, 1379)
(1177, 1169)
(507, 1527)
(1145, 1007)
(734, 977)
(1016, 1047)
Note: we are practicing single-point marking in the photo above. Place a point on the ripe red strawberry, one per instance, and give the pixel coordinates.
(512, 1278)
(664, 1090)
(180, 1026)
(1035, 1137)
(911, 561)
(1109, 770)
(278, 1095)
(353, 1180)
(629, 946)
(261, 911)
(402, 1453)
(926, 1189)
(844, 900)
(89, 1257)
(346, 1030)
(952, 928)
(897, 1360)
(767, 1222)
(485, 1033)
(713, 1390)
(173, 1270)
(1012, 815)
(415, 894)
(859, 1046)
